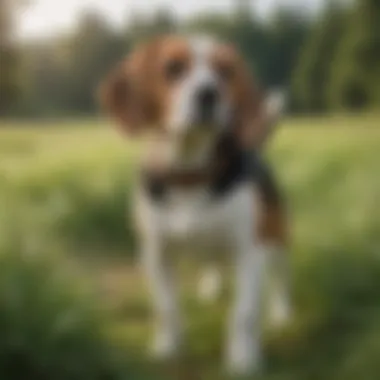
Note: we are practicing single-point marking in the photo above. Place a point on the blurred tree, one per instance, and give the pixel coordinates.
(271, 47)
(251, 37)
(287, 32)
(252, 40)
(355, 79)
(163, 22)
(213, 24)
(243, 10)
(9, 54)
(93, 49)
(45, 78)
(60, 75)
(141, 28)
(311, 74)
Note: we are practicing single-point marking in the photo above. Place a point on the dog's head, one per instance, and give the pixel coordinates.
(183, 86)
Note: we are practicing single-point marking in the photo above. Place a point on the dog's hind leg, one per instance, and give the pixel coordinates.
(273, 233)
(278, 268)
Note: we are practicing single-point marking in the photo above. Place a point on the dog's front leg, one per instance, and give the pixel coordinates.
(243, 345)
(162, 287)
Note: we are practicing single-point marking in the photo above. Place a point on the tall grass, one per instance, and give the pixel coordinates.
(67, 191)
(51, 325)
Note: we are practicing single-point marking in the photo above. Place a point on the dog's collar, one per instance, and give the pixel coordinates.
(230, 165)
(181, 178)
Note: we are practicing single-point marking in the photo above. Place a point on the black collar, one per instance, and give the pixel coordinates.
(231, 166)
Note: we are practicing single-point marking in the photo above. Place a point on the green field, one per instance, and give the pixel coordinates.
(64, 194)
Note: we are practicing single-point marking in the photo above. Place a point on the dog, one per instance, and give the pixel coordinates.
(204, 186)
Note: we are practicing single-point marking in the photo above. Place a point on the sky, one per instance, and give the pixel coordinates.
(48, 17)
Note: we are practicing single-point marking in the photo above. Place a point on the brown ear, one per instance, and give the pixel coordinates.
(127, 93)
(115, 96)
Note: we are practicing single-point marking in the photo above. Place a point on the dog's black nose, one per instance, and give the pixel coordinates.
(207, 99)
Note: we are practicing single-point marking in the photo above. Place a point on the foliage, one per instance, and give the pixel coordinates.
(9, 55)
(326, 62)
(53, 189)
(355, 76)
(61, 74)
(51, 328)
(313, 73)
(62, 201)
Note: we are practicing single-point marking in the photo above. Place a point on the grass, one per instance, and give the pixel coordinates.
(65, 188)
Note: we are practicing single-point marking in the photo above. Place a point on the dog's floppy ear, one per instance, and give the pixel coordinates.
(116, 98)
(127, 92)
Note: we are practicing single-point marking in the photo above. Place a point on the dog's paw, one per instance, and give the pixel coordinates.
(243, 358)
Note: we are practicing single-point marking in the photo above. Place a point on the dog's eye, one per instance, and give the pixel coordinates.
(226, 72)
(175, 69)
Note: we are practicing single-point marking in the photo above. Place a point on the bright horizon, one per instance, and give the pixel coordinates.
(49, 17)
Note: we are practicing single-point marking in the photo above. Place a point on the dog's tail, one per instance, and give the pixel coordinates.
(274, 108)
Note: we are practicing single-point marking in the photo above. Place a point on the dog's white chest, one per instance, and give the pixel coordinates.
(189, 215)
(195, 218)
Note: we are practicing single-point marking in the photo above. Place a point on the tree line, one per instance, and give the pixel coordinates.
(326, 63)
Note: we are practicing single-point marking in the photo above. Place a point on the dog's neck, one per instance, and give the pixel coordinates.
(187, 159)
(224, 162)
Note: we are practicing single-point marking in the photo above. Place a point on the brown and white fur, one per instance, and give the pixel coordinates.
(186, 92)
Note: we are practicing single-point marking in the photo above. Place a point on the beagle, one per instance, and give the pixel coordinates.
(204, 186)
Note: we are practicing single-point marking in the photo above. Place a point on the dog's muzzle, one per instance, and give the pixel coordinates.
(207, 103)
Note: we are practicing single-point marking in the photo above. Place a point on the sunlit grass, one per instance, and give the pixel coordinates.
(65, 187)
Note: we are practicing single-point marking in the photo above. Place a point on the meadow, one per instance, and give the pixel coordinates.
(73, 302)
